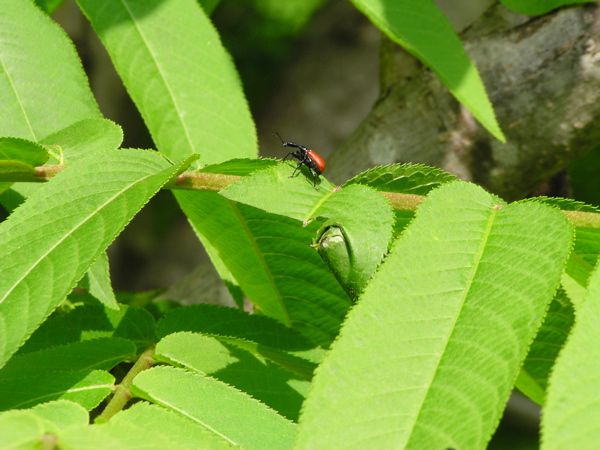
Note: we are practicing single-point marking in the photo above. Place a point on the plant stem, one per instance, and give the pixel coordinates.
(205, 181)
(403, 202)
(44, 173)
(122, 391)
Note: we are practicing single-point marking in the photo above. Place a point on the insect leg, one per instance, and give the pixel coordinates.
(296, 170)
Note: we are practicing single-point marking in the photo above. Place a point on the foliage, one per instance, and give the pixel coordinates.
(422, 29)
(539, 7)
(572, 403)
(459, 312)
(397, 310)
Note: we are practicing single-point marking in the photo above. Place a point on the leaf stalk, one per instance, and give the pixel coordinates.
(122, 393)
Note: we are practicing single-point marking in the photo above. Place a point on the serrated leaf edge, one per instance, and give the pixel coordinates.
(208, 427)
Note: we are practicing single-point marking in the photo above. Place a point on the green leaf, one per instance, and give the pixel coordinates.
(67, 371)
(585, 252)
(411, 179)
(274, 191)
(143, 424)
(417, 179)
(574, 280)
(366, 221)
(178, 344)
(271, 258)
(539, 7)
(62, 413)
(26, 429)
(191, 103)
(51, 240)
(49, 6)
(422, 29)
(240, 167)
(216, 320)
(88, 388)
(86, 322)
(21, 430)
(18, 159)
(244, 365)
(533, 378)
(266, 269)
(429, 355)
(301, 367)
(100, 286)
(581, 264)
(209, 5)
(73, 142)
(567, 204)
(587, 246)
(43, 87)
(102, 353)
(570, 415)
(364, 218)
(22, 150)
(221, 223)
(227, 412)
(11, 170)
(86, 136)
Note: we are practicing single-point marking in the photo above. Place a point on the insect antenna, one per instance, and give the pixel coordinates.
(280, 138)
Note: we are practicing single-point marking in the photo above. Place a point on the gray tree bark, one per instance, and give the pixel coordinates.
(543, 78)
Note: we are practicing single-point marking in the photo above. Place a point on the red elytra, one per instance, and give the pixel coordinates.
(318, 160)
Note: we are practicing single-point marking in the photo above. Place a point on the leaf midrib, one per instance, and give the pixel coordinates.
(467, 290)
(33, 401)
(72, 231)
(320, 202)
(12, 85)
(259, 254)
(194, 419)
(160, 73)
(97, 365)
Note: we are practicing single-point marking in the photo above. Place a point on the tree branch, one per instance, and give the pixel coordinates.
(122, 393)
(204, 181)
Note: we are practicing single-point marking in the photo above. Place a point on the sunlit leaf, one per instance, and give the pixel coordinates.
(571, 414)
(43, 87)
(192, 103)
(88, 388)
(270, 375)
(153, 427)
(51, 240)
(428, 356)
(220, 408)
(422, 29)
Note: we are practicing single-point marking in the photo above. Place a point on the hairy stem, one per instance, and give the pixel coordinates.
(122, 391)
(204, 181)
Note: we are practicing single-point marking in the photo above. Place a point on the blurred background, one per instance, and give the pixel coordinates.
(320, 74)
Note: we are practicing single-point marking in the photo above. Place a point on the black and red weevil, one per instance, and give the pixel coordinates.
(305, 157)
